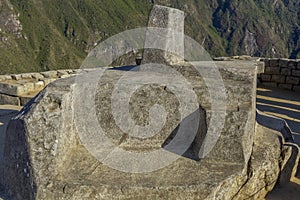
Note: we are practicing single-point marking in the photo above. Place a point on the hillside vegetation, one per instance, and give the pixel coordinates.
(38, 35)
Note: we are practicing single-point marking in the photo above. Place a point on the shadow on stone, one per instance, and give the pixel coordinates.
(298, 171)
(284, 104)
(193, 152)
(289, 164)
(127, 68)
(276, 124)
(20, 162)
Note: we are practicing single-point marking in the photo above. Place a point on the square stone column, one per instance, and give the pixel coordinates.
(164, 42)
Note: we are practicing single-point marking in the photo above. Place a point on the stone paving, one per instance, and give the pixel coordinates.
(283, 104)
(286, 105)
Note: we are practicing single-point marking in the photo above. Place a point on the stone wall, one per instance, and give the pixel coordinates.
(18, 89)
(282, 73)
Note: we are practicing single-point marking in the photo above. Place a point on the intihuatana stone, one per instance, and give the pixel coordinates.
(188, 132)
(49, 161)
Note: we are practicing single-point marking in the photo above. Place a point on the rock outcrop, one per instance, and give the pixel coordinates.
(117, 134)
(49, 161)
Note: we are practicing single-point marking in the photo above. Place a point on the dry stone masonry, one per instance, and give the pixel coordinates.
(282, 73)
(18, 89)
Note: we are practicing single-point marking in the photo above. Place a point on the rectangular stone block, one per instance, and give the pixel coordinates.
(39, 85)
(7, 99)
(270, 84)
(296, 73)
(298, 64)
(296, 88)
(261, 67)
(26, 76)
(286, 86)
(169, 37)
(9, 89)
(28, 87)
(17, 89)
(61, 73)
(278, 78)
(50, 74)
(286, 71)
(272, 70)
(16, 77)
(37, 76)
(292, 64)
(292, 80)
(273, 62)
(267, 62)
(266, 78)
(5, 77)
(283, 62)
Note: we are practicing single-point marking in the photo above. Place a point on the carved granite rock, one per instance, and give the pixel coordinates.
(87, 137)
(50, 161)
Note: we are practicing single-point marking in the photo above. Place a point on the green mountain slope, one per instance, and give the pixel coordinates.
(37, 35)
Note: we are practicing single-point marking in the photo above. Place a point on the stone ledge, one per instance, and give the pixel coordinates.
(17, 89)
(39, 75)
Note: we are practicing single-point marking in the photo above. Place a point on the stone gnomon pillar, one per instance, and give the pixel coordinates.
(165, 44)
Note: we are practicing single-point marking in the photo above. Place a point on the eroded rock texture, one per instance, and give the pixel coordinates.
(87, 137)
(50, 161)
